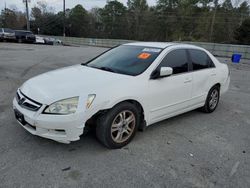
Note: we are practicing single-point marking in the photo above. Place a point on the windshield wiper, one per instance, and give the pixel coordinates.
(106, 69)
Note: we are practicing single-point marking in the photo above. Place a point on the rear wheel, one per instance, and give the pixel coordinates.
(118, 126)
(212, 100)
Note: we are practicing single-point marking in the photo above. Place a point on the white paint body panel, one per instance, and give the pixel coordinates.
(160, 98)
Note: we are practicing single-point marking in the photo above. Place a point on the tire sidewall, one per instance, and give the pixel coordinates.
(208, 98)
(109, 118)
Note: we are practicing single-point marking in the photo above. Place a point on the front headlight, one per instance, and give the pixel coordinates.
(63, 107)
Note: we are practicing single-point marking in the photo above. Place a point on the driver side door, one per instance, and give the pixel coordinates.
(169, 96)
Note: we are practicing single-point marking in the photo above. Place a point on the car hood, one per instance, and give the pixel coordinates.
(69, 82)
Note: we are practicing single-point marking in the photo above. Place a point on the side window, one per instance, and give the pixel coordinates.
(177, 60)
(200, 60)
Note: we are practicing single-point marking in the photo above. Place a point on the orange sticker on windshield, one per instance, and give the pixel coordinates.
(144, 56)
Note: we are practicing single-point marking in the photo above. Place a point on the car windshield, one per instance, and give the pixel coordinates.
(8, 30)
(126, 59)
(23, 32)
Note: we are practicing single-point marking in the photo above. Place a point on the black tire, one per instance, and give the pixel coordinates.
(105, 122)
(207, 108)
(19, 40)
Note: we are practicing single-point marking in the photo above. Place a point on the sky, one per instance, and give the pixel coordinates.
(58, 4)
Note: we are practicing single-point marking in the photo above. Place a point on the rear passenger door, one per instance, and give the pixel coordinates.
(203, 73)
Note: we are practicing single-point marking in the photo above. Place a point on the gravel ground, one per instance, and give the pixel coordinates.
(190, 150)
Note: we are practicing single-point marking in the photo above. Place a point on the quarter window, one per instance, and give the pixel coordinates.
(200, 59)
(177, 60)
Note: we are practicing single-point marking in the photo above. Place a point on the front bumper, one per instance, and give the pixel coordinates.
(61, 128)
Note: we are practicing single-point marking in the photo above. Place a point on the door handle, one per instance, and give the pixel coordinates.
(213, 74)
(187, 80)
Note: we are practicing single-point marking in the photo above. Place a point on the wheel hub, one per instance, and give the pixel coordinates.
(123, 126)
(213, 99)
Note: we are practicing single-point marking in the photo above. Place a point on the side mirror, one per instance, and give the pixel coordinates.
(166, 71)
(163, 72)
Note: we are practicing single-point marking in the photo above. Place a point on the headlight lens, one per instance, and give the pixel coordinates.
(90, 100)
(65, 106)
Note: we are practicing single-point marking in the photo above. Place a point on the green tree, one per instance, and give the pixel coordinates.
(242, 34)
(44, 19)
(12, 19)
(169, 20)
(78, 20)
(95, 25)
(137, 18)
(167, 4)
(186, 10)
(113, 18)
(166, 19)
(244, 11)
(227, 20)
(205, 3)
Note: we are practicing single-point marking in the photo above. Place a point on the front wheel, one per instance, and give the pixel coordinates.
(212, 100)
(118, 126)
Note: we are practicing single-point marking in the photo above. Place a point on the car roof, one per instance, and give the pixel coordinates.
(163, 45)
(151, 44)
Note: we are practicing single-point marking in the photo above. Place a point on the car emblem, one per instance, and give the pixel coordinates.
(21, 101)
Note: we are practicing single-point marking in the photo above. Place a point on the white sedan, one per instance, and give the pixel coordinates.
(39, 40)
(124, 89)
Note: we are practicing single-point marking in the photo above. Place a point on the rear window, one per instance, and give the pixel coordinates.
(200, 59)
(126, 59)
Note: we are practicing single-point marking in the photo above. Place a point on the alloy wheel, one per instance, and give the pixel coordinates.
(123, 126)
(213, 99)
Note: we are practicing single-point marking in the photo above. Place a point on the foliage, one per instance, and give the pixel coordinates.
(113, 19)
(137, 15)
(78, 21)
(12, 19)
(168, 20)
(242, 34)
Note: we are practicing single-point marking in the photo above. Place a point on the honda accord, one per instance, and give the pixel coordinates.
(123, 90)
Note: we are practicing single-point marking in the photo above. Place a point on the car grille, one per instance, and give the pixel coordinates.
(27, 102)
